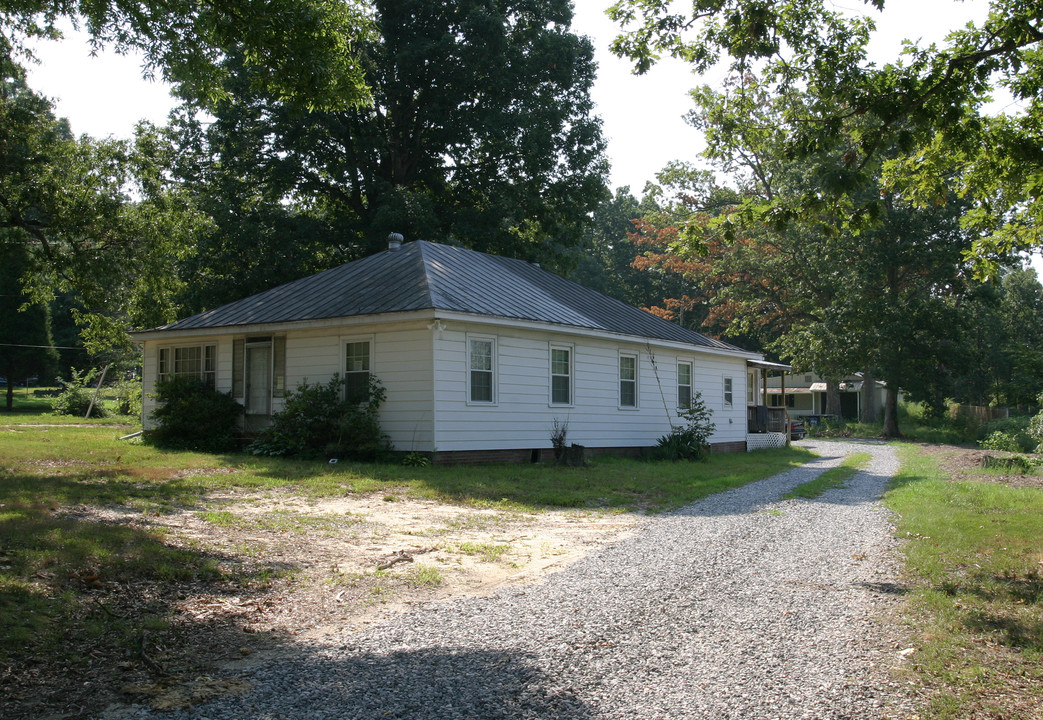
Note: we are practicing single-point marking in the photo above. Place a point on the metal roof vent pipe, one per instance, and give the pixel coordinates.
(394, 242)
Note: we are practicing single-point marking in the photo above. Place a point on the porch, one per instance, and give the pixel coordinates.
(766, 426)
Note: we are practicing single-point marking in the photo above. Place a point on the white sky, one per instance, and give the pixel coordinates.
(642, 115)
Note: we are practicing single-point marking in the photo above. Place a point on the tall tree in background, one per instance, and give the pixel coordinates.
(95, 218)
(99, 219)
(922, 112)
(25, 326)
(480, 133)
(821, 295)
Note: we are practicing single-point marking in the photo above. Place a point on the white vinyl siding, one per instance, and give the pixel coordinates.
(424, 367)
(560, 375)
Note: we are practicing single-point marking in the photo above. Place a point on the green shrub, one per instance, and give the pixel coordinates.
(317, 420)
(1000, 440)
(191, 415)
(76, 395)
(128, 397)
(1018, 426)
(690, 441)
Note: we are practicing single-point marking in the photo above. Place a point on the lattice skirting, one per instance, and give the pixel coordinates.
(761, 441)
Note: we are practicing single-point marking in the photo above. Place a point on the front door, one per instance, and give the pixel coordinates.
(259, 379)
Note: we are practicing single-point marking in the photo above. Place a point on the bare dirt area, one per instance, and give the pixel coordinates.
(289, 569)
(963, 463)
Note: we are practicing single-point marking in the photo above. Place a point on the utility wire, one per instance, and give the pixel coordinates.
(45, 347)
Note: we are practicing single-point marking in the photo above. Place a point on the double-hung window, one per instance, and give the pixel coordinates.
(560, 375)
(196, 361)
(356, 370)
(481, 363)
(727, 392)
(684, 384)
(628, 381)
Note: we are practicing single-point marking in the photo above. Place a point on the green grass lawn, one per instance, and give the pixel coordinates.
(975, 552)
(53, 555)
(31, 409)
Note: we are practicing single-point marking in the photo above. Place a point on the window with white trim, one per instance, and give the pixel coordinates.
(727, 392)
(357, 361)
(481, 378)
(560, 375)
(198, 361)
(628, 381)
(684, 384)
(751, 389)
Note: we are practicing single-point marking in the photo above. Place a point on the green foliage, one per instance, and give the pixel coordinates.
(416, 459)
(691, 440)
(481, 132)
(77, 394)
(98, 219)
(128, 397)
(999, 440)
(924, 110)
(1015, 426)
(1035, 429)
(25, 327)
(191, 415)
(318, 421)
(302, 50)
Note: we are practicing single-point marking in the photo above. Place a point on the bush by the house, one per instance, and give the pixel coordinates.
(318, 421)
(691, 440)
(191, 415)
(76, 395)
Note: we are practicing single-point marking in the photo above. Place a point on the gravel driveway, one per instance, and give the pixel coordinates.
(739, 606)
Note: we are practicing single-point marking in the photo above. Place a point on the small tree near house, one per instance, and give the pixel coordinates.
(690, 441)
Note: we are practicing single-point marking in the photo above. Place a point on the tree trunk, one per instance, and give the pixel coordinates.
(891, 412)
(833, 398)
(10, 395)
(869, 409)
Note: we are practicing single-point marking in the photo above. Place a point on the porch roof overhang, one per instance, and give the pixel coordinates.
(766, 365)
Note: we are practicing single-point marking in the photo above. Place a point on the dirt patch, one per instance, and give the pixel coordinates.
(962, 463)
(289, 569)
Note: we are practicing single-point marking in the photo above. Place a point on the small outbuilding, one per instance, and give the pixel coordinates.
(479, 356)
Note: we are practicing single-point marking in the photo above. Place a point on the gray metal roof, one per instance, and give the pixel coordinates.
(425, 275)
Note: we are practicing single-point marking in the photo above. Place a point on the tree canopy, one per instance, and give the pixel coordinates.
(92, 217)
(300, 50)
(480, 133)
(922, 112)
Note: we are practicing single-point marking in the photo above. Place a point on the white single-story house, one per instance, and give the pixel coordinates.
(478, 354)
(805, 394)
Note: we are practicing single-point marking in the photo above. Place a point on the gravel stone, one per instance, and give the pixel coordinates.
(742, 605)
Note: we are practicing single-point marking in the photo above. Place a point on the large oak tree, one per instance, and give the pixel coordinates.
(480, 133)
